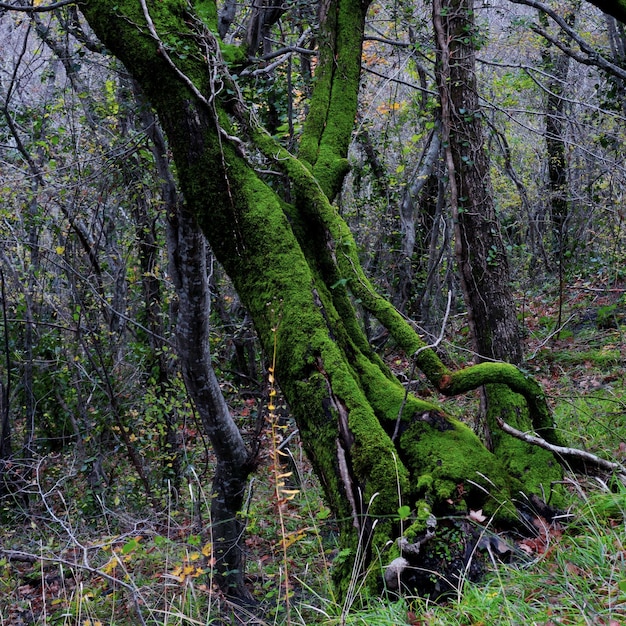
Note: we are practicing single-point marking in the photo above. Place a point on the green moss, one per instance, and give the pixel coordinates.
(516, 381)
(454, 465)
(328, 127)
(206, 10)
(235, 56)
(419, 526)
(601, 358)
(425, 483)
(536, 469)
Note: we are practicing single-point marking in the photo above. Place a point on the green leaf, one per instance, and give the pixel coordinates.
(323, 513)
(404, 512)
(130, 546)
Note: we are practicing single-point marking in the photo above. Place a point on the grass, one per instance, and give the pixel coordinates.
(579, 576)
(576, 574)
(75, 562)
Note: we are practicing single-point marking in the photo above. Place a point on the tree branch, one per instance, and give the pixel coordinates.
(36, 9)
(593, 56)
(574, 453)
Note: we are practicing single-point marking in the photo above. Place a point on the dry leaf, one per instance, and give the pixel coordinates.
(477, 516)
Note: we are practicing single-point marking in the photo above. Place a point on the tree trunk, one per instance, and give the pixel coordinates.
(480, 251)
(410, 245)
(189, 273)
(556, 64)
(373, 447)
(188, 256)
(479, 247)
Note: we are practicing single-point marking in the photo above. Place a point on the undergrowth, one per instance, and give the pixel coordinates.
(80, 558)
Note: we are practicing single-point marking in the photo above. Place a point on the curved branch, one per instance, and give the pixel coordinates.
(593, 56)
(517, 381)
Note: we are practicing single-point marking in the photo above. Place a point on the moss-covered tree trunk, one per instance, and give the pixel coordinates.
(372, 448)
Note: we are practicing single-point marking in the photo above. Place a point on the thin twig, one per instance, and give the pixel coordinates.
(135, 593)
(549, 337)
(42, 8)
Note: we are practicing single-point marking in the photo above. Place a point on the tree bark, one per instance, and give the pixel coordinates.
(188, 267)
(557, 65)
(234, 462)
(480, 251)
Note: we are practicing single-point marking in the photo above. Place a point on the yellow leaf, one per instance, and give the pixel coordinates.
(194, 556)
(59, 249)
(206, 550)
(177, 573)
(110, 566)
(292, 538)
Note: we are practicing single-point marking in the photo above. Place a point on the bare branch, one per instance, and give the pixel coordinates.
(399, 81)
(593, 57)
(36, 9)
(138, 602)
(390, 42)
(574, 453)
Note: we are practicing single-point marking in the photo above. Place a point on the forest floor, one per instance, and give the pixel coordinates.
(63, 564)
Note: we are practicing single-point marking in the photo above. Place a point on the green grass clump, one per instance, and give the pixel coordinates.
(578, 576)
(594, 421)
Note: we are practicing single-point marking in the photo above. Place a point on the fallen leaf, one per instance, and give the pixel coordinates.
(477, 516)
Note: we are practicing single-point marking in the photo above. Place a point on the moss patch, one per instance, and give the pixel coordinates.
(536, 469)
(454, 469)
